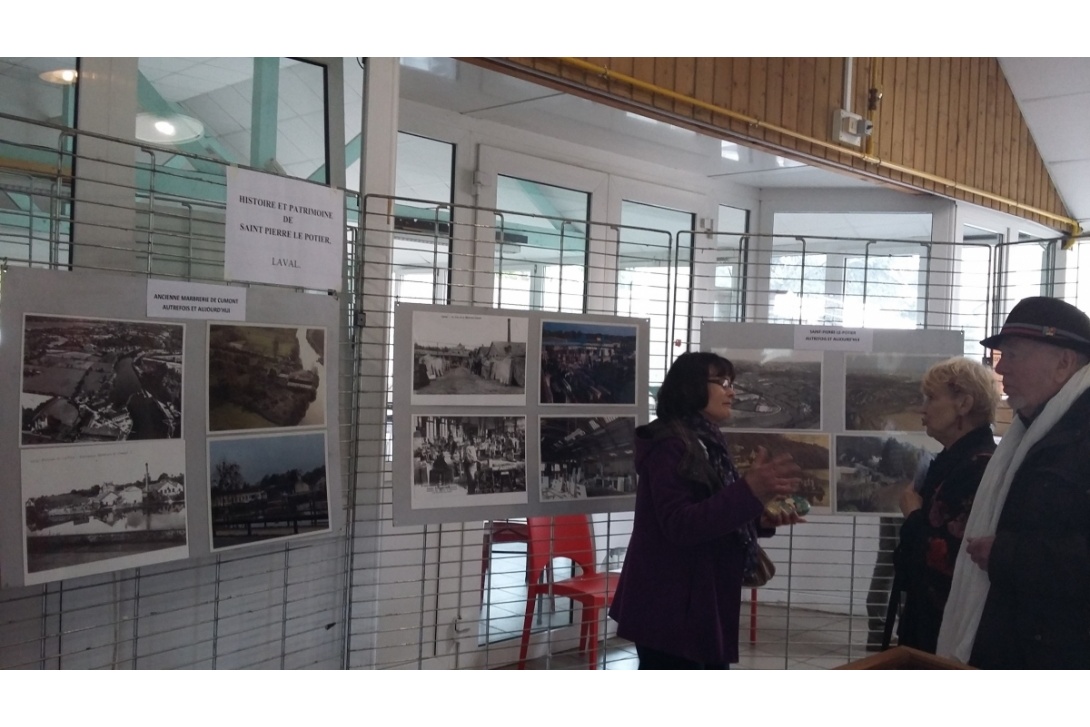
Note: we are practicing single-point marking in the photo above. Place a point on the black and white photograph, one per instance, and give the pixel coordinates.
(93, 380)
(460, 461)
(775, 388)
(583, 457)
(872, 472)
(98, 508)
(810, 452)
(265, 377)
(469, 359)
(587, 363)
(882, 391)
(267, 487)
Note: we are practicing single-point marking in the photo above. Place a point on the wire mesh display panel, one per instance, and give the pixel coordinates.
(149, 212)
(455, 595)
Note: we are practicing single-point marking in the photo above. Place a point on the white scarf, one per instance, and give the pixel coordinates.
(970, 586)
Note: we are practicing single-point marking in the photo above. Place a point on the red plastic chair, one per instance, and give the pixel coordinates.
(566, 536)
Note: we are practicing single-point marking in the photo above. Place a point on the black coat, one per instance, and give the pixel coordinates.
(1037, 614)
(931, 536)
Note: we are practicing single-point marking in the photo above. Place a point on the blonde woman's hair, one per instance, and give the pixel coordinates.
(964, 376)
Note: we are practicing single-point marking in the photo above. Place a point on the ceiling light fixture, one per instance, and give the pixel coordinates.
(176, 129)
(60, 76)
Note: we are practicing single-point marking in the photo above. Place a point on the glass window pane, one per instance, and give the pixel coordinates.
(852, 269)
(654, 277)
(883, 290)
(541, 250)
(972, 278)
(36, 182)
(726, 282)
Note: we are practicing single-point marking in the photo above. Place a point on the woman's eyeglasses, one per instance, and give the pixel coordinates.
(724, 383)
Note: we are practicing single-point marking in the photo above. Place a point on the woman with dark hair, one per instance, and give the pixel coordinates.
(694, 537)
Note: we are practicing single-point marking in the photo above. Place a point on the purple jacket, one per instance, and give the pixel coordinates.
(681, 585)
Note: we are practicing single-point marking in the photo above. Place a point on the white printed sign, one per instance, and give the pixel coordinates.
(832, 338)
(179, 299)
(283, 231)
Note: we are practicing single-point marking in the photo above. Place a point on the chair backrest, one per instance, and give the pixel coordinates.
(563, 536)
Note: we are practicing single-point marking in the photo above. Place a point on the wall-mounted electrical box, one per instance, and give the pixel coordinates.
(849, 128)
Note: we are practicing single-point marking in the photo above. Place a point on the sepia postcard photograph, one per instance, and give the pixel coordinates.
(91, 380)
(873, 471)
(587, 363)
(460, 461)
(810, 452)
(775, 388)
(585, 457)
(265, 377)
(103, 507)
(469, 359)
(267, 487)
(882, 391)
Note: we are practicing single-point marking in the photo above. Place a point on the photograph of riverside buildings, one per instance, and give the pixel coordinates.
(94, 508)
(100, 380)
(267, 487)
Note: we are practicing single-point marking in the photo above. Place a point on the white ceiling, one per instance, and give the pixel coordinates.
(1054, 95)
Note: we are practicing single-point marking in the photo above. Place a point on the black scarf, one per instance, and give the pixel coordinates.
(715, 444)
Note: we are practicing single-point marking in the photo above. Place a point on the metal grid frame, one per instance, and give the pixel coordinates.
(277, 606)
(380, 596)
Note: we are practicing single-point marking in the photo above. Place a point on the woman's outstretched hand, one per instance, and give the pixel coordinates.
(772, 477)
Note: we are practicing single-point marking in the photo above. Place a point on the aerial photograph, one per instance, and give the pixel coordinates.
(775, 388)
(264, 377)
(882, 391)
(100, 380)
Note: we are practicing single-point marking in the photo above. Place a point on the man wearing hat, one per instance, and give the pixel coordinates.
(1021, 592)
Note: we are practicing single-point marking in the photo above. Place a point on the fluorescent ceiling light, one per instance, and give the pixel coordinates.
(61, 76)
(175, 129)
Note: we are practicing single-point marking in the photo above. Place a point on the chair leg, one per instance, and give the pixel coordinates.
(527, 624)
(592, 636)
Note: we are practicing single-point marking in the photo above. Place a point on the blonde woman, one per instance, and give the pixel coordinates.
(958, 408)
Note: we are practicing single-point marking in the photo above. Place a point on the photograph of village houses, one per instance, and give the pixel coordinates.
(872, 472)
(587, 363)
(97, 508)
(584, 457)
(264, 377)
(267, 487)
(464, 358)
(810, 452)
(882, 391)
(100, 380)
(775, 388)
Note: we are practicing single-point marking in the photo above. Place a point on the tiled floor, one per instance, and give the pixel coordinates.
(786, 638)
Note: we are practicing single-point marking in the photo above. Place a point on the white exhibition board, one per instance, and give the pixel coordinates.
(509, 413)
(283, 231)
(106, 427)
(843, 402)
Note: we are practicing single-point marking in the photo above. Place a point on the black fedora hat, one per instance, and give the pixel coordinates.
(1050, 320)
